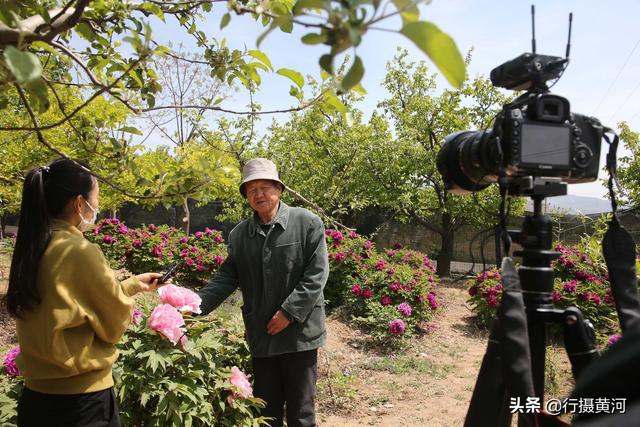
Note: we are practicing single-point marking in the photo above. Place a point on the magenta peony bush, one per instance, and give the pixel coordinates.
(152, 248)
(391, 295)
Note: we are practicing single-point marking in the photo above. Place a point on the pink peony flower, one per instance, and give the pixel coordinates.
(340, 256)
(218, 239)
(433, 303)
(613, 339)
(208, 231)
(152, 227)
(136, 316)
(404, 309)
(136, 243)
(570, 286)
(108, 239)
(188, 261)
(395, 286)
(356, 290)
(183, 240)
(367, 293)
(367, 244)
(492, 301)
(198, 235)
(168, 321)
(396, 327)
(556, 297)
(157, 251)
(241, 381)
(10, 361)
(123, 229)
(183, 299)
(218, 259)
(386, 300)
(200, 267)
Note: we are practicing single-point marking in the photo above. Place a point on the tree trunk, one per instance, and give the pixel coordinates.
(3, 223)
(186, 218)
(446, 247)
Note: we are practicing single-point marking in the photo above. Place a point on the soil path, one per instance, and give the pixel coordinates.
(428, 385)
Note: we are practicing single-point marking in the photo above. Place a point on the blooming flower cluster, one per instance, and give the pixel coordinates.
(581, 280)
(485, 293)
(395, 287)
(166, 318)
(151, 248)
(9, 362)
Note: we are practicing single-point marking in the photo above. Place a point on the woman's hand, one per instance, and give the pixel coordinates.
(150, 281)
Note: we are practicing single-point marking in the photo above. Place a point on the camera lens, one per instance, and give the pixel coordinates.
(467, 161)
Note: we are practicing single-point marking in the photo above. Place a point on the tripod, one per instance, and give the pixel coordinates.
(536, 277)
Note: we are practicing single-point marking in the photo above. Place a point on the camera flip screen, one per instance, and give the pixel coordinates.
(546, 145)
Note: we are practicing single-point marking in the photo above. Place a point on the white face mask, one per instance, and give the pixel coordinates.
(85, 225)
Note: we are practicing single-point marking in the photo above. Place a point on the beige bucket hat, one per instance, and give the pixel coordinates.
(259, 169)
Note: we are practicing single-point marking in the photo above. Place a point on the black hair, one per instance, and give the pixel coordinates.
(45, 193)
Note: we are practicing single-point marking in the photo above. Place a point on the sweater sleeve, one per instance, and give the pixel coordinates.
(104, 301)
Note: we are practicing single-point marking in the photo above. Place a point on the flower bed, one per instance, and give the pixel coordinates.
(392, 294)
(153, 248)
(581, 280)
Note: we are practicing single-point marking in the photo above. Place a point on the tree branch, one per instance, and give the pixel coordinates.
(29, 29)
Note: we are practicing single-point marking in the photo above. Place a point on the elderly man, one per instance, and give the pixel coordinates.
(278, 258)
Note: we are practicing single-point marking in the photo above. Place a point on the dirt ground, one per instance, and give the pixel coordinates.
(430, 385)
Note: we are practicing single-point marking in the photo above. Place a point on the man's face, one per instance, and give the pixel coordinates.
(263, 196)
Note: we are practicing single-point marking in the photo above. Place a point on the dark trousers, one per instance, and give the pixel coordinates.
(97, 409)
(291, 379)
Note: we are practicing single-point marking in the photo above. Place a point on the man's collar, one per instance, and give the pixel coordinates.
(282, 218)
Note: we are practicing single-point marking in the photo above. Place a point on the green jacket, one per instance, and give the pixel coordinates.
(286, 267)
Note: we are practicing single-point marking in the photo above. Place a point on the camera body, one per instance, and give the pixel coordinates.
(536, 135)
(546, 139)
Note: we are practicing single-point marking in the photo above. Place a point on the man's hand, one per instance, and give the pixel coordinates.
(278, 322)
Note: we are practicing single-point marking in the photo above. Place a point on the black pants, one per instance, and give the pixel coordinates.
(291, 379)
(97, 409)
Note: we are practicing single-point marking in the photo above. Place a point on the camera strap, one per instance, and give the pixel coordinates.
(619, 252)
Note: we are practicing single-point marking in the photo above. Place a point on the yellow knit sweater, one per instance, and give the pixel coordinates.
(68, 341)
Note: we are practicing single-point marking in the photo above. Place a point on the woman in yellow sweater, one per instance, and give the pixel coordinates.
(69, 307)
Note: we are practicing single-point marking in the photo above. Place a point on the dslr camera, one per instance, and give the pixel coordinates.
(536, 135)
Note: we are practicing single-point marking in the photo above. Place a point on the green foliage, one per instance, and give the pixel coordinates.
(629, 166)
(10, 391)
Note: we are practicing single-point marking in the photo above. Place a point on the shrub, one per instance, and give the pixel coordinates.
(485, 294)
(581, 280)
(390, 295)
(198, 381)
(152, 248)
(346, 253)
(191, 382)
